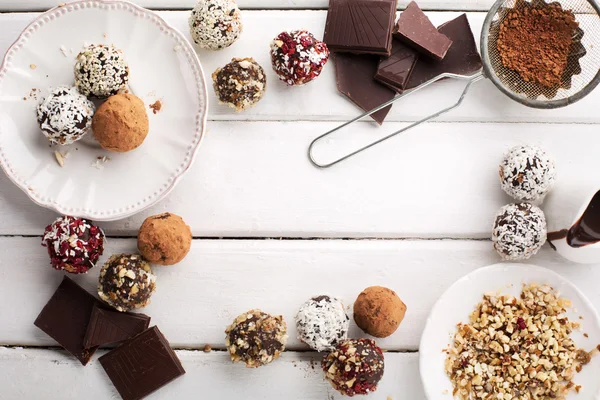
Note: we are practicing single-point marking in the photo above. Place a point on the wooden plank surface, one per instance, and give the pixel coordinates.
(34, 373)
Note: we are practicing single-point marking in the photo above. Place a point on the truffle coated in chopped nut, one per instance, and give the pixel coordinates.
(101, 71)
(121, 123)
(527, 173)
(215, 24)
(240, 84)
(322, 322)
(519, 231)
(256, 338)
(164, 239)
(378, 311)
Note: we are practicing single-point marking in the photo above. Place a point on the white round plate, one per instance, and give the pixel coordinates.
(459, 301)
(163, 66)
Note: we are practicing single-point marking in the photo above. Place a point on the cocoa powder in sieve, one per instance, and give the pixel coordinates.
(535, 41)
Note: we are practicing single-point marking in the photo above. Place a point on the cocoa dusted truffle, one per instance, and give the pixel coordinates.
(519, 231)
(298, 57)
(240, 84)
(378, 311)
(322, 323)
(126, 282)
(164, 239)
(527, 173)
(101, 71)
(65, 115)
(215, 24)
(354, 367)
(121, 123)
(256, 338)
(74, 244)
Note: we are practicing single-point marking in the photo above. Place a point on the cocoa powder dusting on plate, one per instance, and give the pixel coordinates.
(535, 41)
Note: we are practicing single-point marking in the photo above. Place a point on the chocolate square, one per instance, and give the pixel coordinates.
(142, 365)
(108, 327)
(360, 26)
(395, 70)
(66, 316)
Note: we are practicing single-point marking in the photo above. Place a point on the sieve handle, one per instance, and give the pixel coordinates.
(470, 80)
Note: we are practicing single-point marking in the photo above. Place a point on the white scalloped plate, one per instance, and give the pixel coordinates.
(459, 301)
(163, 66)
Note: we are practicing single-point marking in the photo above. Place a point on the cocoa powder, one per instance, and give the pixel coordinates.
(535, 41)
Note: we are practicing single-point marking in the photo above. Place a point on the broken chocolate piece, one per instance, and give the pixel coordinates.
(416, 30)
(108, 327)
(462, 57)
(142, 365)
(66, 316)
(395, 70)
(355, 74)
(360, 26)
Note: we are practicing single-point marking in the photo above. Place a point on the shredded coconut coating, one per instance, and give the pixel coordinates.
(322, 323)
(297, 57)
(519, 231)
(215, 24)
(65, 115)
(527, 173)
(101, 71)
(240, 84)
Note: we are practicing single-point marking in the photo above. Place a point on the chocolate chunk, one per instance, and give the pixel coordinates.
(360, 26)
(462, 57)
(142, 365)
(355, 80)
(108, 327)
(66, 316)
(416, 30)
(395, 70)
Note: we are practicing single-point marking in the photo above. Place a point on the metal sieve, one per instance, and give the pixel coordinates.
(581, 76)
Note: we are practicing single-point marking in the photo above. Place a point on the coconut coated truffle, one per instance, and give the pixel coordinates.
(256, 338)
(378, 311)
(354, 367)
(101, 71)
(65, 115)
(215, 24)
(74, 244)
(240, 84)
(126, 282)
(322, 323)
(519, 231)
(527, 173)
(164, 239)
(121, 123)
(298, 57)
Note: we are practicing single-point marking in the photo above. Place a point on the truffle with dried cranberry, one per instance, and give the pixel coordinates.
(65, 115)
(215, 24)
(256, 338)
(74, 244)
(101, 71)
(298, 57)
(126, 282)
(322, 323)
(354, 367)
(519, 231)
(240, 84)
(527, 173)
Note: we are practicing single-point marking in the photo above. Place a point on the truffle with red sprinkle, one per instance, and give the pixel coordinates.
(354, 367)
(298, 57)
(74, 244)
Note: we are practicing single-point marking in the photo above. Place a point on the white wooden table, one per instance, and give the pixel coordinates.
(271, 230)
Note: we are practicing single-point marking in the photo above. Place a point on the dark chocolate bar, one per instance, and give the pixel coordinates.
(395, 70)
(108, 327)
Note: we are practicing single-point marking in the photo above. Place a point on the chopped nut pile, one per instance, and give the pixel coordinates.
(516, 348)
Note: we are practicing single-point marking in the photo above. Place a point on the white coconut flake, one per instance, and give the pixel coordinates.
(63, 50)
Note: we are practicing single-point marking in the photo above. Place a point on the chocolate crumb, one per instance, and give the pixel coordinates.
(586, 335)
(156, 106)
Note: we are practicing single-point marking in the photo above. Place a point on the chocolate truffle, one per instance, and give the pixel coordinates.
(126, 282)
(215, 24)
(65, 115)
(322, 323)
(519, 231)
(164, 239)
(527, 173)
(354, 367)
(378, 311)
(74, 244)
(297, 57)
(256, 338)
(121, 123)
(101, 71)
(240, 84)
